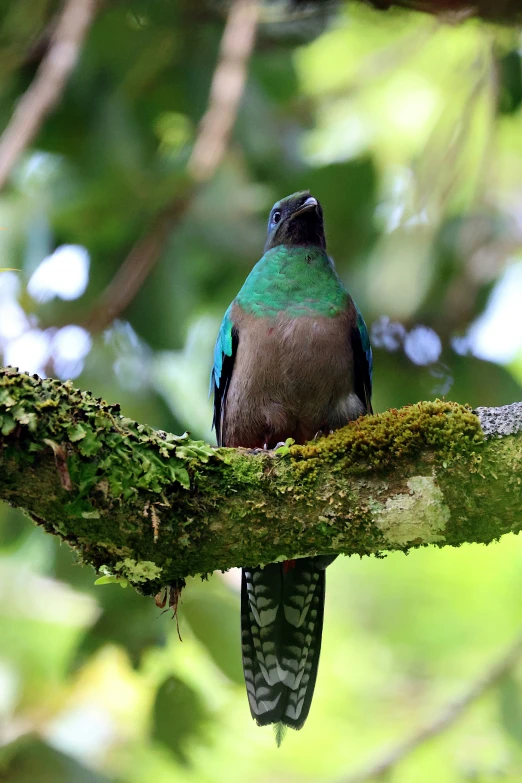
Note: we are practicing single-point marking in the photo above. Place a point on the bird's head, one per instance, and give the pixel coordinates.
(296, 220)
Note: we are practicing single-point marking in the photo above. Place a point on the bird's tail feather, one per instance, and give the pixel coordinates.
(282, 609)
(279, 733)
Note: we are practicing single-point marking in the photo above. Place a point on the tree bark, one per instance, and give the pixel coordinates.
(151, 508)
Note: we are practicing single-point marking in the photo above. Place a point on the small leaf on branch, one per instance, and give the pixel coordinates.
(112, 580)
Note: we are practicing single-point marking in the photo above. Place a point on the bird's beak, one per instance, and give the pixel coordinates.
(310, 203)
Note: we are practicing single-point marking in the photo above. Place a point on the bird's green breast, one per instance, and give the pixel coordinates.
(298, 280)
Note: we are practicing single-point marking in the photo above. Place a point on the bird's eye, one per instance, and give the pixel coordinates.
(276, 217)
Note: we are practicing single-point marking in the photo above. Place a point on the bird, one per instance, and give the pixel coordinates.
(292, 360)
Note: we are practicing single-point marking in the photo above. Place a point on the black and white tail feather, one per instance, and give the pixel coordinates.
(282, 608)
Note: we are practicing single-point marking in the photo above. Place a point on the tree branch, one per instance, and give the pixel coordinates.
(153, 507)
(226, 90)
(449, 715)
(209, 148)
(49, 82)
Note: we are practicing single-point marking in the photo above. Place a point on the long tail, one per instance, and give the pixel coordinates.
(281, 627)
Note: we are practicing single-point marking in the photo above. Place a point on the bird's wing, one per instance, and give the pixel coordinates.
(362, 361)
(224, 356)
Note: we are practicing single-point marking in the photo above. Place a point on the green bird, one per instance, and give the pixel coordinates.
(292, 360)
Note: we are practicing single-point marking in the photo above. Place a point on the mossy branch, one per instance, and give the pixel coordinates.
(152, 508)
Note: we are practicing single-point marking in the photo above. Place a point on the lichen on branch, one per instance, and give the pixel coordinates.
(151, 508)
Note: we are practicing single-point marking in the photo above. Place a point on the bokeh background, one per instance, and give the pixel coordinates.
(409, 131)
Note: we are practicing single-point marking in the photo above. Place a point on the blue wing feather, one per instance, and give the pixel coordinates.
(224, 355)
(363, 360)
(222, 349)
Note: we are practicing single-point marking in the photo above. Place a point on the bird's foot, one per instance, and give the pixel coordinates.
(288, 442)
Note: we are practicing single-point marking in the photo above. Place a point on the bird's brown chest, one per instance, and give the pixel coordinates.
(290, 377)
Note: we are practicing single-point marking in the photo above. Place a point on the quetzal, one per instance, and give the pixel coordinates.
(292, 360)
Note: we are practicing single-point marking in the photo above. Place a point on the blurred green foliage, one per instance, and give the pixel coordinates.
(409, 132)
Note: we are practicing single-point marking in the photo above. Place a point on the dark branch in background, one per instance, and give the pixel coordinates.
(447, 717)
(47, 87)
(454, 11)
(227, 87)
(138, 265)
(40, 44)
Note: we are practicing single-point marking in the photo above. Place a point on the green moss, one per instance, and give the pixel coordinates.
(377, 442)
(131, 457)
(55, 435)
(138, 572)
(153, 507)
(345, 465)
